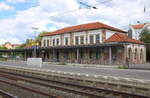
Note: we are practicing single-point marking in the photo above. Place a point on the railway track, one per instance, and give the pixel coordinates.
(29, 89)
(4, 94)
(91, 92)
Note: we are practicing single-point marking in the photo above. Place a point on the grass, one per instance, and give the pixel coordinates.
(62, 63)
(123, 67)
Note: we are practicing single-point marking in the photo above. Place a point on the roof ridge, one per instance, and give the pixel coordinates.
(84, 27)
(77, 25)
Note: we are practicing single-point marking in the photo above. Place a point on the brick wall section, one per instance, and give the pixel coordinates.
(117, 57)
(137, 54)
(71, 38)
(61, 39)
(103, 35)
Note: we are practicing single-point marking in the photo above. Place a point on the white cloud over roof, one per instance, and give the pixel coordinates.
(15, 1)
(4, 7)
(118, 13)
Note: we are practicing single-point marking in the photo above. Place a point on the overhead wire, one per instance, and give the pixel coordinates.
(71, 11)
(102, 2)
(66, 12)
(58, 14)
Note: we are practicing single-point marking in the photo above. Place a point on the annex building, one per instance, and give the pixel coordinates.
(92, 43)
(136, 30)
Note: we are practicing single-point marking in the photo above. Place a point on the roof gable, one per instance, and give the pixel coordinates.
(119, 37)
(138, 26)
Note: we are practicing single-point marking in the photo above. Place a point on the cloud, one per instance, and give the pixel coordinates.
(12, 40)
(46, 16)
(15, 1)
(21, 26)
(121, 13)
(5, 7)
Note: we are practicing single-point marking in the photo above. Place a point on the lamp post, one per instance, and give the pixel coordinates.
(34, 52)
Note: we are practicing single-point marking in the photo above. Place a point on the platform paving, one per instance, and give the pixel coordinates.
(89, 69)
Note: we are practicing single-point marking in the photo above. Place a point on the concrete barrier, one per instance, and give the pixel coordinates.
(34, 62)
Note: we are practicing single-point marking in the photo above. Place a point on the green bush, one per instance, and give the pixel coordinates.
(123, 67)
(62, 63)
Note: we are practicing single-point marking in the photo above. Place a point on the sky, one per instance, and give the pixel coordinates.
(18, 17)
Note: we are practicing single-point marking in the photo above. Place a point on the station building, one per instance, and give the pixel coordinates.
(92, 43)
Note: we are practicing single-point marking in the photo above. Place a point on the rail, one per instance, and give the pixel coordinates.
(26, 78)
(3, 93)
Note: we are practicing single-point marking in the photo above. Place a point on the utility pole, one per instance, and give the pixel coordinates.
(145, 18)
(146, 12)
(35, 30)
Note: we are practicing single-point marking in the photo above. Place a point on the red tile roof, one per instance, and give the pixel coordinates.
(138, 26)
(120, 37)
(84, 27)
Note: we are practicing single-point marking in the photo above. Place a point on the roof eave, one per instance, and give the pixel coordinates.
(85, 30)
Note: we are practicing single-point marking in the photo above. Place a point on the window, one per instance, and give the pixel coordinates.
(66, 40)
(47, 43)
(129, 53)
(57, 41)
(53, 42)
(97, 38)
(76, 40)
(141, 54)
(135, 54)
(91, 39)
(82, 39)
(44, 43)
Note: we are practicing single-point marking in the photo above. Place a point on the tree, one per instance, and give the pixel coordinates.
(38, 38)
(31, 42)
(21, 46)
(145, 37)
(2, 47)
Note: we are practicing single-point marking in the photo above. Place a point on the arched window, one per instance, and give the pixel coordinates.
(141, 54)
(129, 53)
(135, 54)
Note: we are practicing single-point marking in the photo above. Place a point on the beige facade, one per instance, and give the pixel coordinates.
(84, 38)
